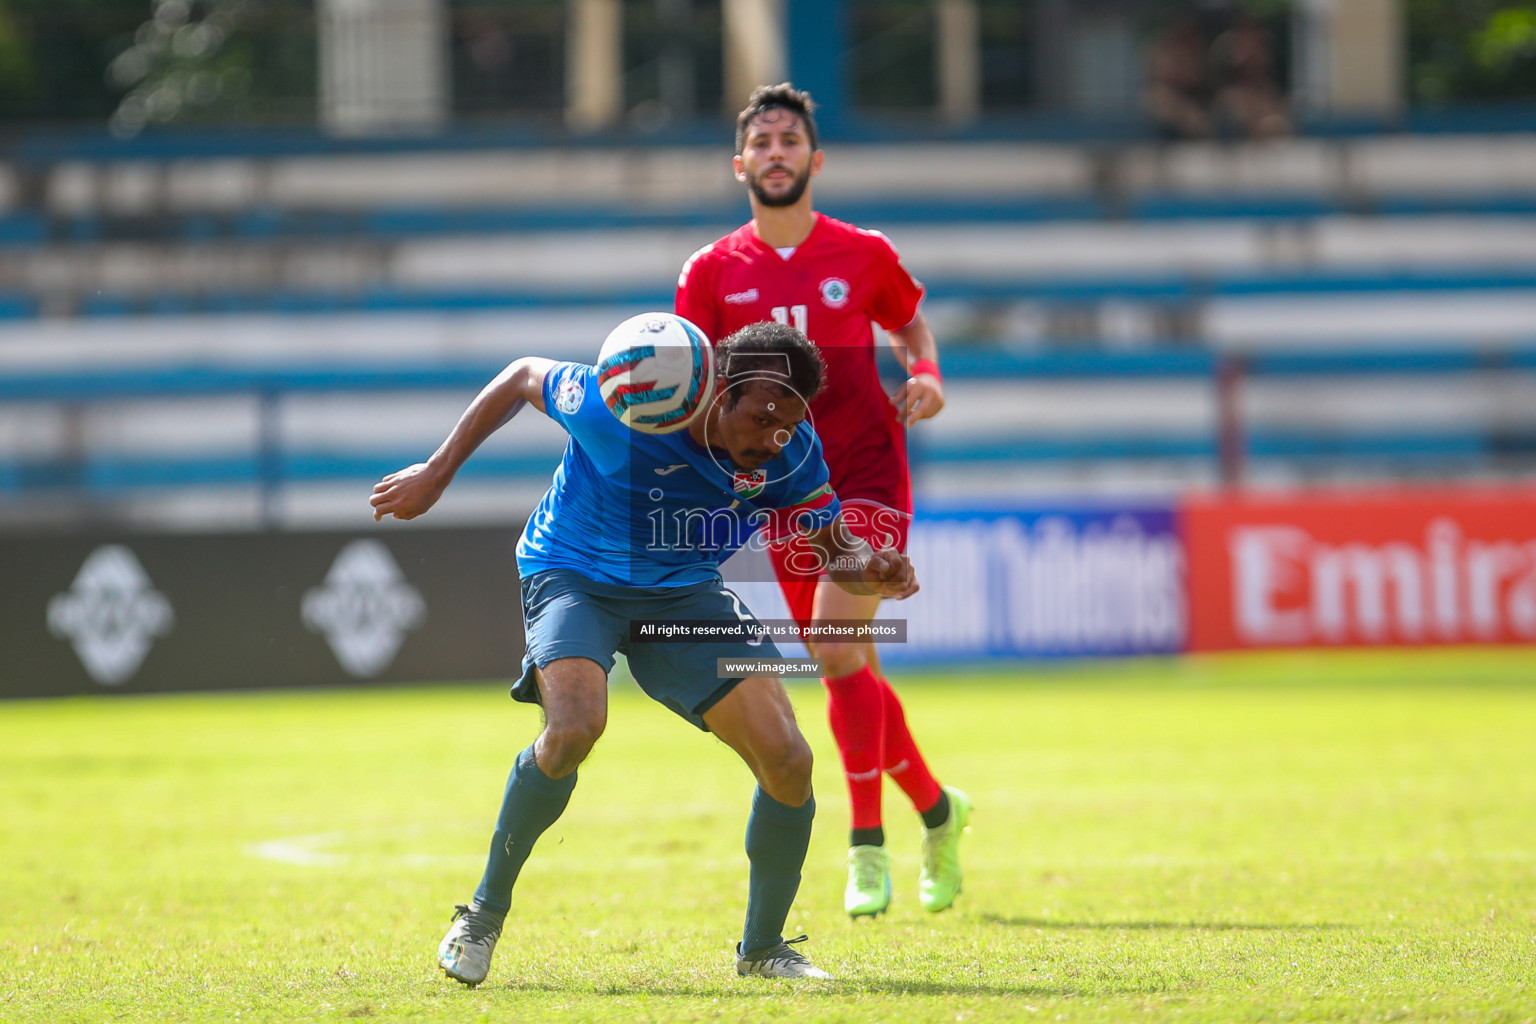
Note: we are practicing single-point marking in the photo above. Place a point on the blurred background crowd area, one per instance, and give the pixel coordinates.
(254, 253)
(1091, 68)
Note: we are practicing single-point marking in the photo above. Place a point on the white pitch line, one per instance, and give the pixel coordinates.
(301, 850)
(311, 851)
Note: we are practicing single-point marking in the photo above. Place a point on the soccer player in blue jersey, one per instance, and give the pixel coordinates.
(634, 528)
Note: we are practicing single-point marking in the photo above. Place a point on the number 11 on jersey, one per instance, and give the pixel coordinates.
(795, 316)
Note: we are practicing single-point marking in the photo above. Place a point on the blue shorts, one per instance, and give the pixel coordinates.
(567, 615)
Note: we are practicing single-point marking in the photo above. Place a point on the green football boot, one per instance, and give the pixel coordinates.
(939, 882)
(869, 881)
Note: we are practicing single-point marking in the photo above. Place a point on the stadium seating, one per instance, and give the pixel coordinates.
(247, 312)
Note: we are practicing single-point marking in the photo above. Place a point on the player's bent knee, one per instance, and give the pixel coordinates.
(786, 771)
(567, 743)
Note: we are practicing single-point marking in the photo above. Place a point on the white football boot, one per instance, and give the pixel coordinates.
(465, 952)
(779, 961)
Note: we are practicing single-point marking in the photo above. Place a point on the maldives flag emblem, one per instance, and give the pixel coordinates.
(749, 483)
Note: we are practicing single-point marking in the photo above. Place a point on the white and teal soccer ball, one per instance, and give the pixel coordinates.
(656, 372)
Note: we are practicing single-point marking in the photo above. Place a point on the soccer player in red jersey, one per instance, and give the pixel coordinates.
(834, 281)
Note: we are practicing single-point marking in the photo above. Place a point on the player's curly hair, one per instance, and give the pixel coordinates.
(777, 354)
(777, 97)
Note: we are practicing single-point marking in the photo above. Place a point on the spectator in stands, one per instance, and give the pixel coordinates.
(1248, 97)
(489, 52)
(1178, 89)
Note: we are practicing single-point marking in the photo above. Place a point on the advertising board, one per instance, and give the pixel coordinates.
(217, 611)
(1383, 567)
(1046, 581)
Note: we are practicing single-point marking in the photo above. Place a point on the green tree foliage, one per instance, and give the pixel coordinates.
(228, 60)
(53, 54)
(135, 63)
(16, 70)
(1470, 50)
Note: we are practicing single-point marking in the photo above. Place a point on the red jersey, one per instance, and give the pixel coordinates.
(835, 286)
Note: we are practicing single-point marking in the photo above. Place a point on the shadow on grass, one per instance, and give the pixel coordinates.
(748, 988)
(1208, 926)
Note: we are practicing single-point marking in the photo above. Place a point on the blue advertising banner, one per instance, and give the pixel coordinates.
(1091, 580)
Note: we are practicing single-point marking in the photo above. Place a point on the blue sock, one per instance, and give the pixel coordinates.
(533, 802)
(777, 837)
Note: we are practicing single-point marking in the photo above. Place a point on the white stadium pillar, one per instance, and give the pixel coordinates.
(754, 54)
(594, 81)
(383, 66)
(1350, 56)
(959, 60)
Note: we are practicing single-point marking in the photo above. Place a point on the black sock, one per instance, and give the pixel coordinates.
(496, 914)
(777, 836)
(867, 836)
(533, 802)
(938, 814)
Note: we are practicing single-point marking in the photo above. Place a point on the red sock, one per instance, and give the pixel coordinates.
(903, 762)
(856, 710)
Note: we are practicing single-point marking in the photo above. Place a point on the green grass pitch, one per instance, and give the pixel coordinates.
(1344, 837)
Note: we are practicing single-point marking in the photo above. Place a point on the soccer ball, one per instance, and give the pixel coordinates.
(656, 372)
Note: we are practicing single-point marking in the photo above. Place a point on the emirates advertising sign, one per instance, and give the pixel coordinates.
(1402, 568)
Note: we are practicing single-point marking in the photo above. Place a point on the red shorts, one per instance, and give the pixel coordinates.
(798, 567)
(868, 471)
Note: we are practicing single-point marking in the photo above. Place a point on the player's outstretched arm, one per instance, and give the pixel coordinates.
(407, 493)
(921, 395)
(859, 569)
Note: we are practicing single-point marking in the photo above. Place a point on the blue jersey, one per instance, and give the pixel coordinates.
(648, 510)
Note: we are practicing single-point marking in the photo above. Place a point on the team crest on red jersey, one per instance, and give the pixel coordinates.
(749, 483)
(835, 292)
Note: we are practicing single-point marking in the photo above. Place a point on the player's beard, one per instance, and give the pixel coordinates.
(788, 197)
